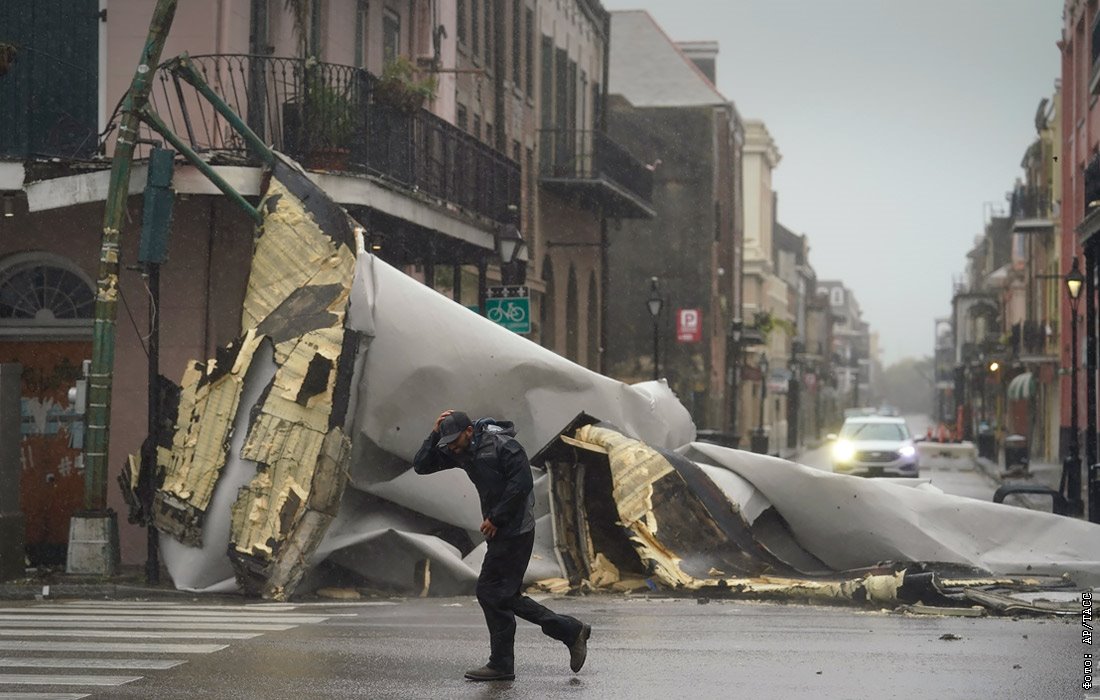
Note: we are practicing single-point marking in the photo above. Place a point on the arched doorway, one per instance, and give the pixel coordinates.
(546, 306)
(47, 306)
(571, 313)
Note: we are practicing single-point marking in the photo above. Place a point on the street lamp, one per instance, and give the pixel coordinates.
(736, 327)
(759, 436)
(1071, 466)
(510, 246)
(654, 303)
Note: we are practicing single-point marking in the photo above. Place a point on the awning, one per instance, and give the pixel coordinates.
(1022, 386)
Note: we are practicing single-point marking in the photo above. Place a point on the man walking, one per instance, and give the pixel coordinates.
(497, 465)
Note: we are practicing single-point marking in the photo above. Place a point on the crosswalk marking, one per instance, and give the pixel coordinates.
(154, 605)
(111, 664)
(34, 679)
(43, 696)
(167, 620)
(151, 648)
(77, 639)
(152, 625)
(128, 634)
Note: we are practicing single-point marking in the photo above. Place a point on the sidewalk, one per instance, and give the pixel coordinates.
(51, 584)
(1038, 474)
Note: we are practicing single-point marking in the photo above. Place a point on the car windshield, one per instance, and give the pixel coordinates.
(874, 431)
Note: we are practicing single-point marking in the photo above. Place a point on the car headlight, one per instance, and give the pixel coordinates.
(907, 451)
(843, 451)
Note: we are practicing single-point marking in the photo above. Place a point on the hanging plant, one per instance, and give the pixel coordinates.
(400, 89)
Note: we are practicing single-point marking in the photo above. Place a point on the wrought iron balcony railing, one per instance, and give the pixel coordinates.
(338, 118)
(604, 173)
(1030, 203)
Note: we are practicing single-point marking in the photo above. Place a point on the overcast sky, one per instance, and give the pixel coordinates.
(896, 120)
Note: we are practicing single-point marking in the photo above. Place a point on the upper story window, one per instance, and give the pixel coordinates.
(361, 9)
(836, 296)
(475, 27)
(460, 7)
(391, 36)
(529, 30)
(517, 41)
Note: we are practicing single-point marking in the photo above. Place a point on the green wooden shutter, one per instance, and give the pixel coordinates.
(48, 98)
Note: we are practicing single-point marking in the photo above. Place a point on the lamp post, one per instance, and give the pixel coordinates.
(736, 327)
(759, 436)
(654, 303)
(1071, 465)
(510, 246)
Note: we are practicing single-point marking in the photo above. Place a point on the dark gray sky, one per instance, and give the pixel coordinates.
(897, 120)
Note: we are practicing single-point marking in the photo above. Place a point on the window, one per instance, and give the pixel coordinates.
(477, 126)
(315, 15)
(489, 39)
(361, 10)
(517, 21)
(546, 109)
(460, 117)
(530, 65)
(836, 296)
(391, 37)
(461, 29)
(488, 133)
(516, 152)
(35, 291)
(475, 31)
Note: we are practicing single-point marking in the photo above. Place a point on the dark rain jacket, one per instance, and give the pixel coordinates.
(498, 466)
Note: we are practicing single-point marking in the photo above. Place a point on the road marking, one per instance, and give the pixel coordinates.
(43, 696)
(127, 634)
(154, 625)
(164, 612)
(34, 679)
(152, 648)
(163, 620)
(151, 605)
(89, 663)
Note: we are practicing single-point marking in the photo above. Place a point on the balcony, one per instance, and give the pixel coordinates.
(591, 168)
(1030, 339)
(335, 118)
(1031, 211)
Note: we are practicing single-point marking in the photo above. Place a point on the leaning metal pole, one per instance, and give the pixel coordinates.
(106, 308)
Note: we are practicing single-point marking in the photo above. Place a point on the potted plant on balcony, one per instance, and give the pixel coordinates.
(327, 124)
(400, 89)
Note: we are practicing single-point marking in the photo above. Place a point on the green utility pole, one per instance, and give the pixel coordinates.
(82, 557)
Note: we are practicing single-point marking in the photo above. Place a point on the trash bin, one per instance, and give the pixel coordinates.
(987, 445)
(759, 442)
(1016, 451)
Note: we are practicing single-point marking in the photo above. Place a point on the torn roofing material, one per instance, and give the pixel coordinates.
(625, 511)
(296, 301)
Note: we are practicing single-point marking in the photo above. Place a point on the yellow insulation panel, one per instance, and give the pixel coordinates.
(291, 253)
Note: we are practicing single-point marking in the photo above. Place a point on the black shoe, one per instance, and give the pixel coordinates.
(488, 673)
(578, 650)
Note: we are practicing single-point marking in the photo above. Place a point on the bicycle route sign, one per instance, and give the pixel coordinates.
(510, 307)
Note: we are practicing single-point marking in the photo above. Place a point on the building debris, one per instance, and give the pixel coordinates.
(291, 452)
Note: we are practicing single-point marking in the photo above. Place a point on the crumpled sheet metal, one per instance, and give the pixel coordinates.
(851, 522)
(413, 352)
(658, 504)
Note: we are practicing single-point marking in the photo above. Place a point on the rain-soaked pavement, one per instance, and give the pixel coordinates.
(640, 648)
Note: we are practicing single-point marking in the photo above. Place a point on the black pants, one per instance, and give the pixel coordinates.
(498, 591)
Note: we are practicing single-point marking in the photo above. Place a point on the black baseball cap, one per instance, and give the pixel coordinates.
(451, 427)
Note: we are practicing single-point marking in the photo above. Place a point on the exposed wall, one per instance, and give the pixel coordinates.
(678, 246)
(202, 289)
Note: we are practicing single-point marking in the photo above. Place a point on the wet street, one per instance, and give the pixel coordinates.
(640, 648)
